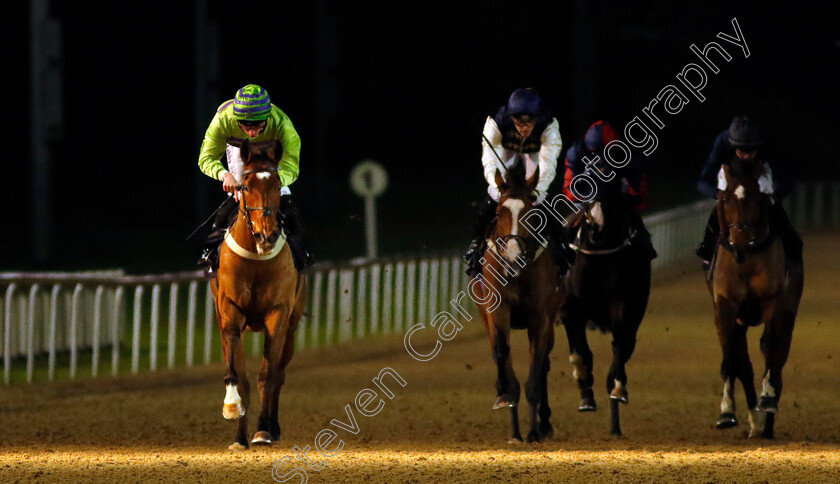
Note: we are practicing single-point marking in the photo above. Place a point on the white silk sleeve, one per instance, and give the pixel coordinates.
(551, 144)
(489, 158)
(765, 181)
(234, 161)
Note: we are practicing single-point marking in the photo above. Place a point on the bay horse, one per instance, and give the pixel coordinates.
(607, 289)
(751, 285)
(523, 276)
(257, 287)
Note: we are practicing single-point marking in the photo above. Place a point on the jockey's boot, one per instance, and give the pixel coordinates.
(289, 218)
(640, 237)
(486, 212)
(791, 241)
(225, 216)
(706, 249)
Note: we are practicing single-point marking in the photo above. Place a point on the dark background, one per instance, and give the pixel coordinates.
(405, 83)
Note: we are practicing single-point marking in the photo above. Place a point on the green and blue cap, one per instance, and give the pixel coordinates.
(251, 104)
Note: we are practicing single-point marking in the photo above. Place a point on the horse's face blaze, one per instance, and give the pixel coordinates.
(265, 193)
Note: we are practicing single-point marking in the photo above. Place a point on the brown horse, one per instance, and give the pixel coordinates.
(257, 287)
(750, 285)
(608, 288)
(524, 276)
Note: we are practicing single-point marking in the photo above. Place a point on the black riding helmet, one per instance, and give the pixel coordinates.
(744, 133)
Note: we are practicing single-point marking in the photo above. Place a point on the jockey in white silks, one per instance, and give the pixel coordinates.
(521, 132)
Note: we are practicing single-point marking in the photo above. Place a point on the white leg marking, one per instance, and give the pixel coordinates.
(577, 362)
(756, 421)
(618, 385)
(232, 409)
(727, 405)
(767, 390)
(232, 396)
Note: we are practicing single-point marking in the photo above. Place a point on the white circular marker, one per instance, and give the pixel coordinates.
(368, 179)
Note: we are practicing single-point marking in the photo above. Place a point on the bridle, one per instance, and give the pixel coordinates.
(269, 211)
(528, 250)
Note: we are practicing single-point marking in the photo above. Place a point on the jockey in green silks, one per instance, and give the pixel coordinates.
(252, 116)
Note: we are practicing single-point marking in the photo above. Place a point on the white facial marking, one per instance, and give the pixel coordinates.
(263, 175)
(726, 404)
(740, 192)
(597, 213)
(767, 389)
(232, 396)
(515, 206)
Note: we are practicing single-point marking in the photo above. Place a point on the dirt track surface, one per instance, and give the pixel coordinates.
(168, 426)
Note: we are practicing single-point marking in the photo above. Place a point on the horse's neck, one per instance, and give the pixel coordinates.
(242, 235)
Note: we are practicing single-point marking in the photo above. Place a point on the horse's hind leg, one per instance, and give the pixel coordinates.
(536, 388)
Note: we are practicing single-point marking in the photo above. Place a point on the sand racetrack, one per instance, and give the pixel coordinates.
(168, 426)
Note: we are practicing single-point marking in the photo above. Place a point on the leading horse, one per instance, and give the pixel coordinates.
(523, 275)
(751, 285)
(257, 287)
(608, 288)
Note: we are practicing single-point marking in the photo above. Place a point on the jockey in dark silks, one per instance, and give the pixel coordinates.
(252, 116)
(632, 178)
(744, 140)
(521, 135)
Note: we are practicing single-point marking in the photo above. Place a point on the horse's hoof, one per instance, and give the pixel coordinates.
(587, 405)
(237, 446)
(767, 405)
(620, 394)
(262, 438)
(233, 411)
(516, 440)
(726, 421)
(546, 431)
(503, 401)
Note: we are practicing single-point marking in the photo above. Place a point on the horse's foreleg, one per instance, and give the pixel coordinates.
(237, 388)
(273, 376)
(507, 386)
(580, 356)
(623, 344)
(735, 363)
(775, 345)
(541, 339)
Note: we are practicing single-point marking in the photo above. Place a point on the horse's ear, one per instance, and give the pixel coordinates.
(245, 151)
(531, 183)
(500, 182)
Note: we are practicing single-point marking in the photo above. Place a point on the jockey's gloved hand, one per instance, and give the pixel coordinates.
(493, 191)
(229, 184)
